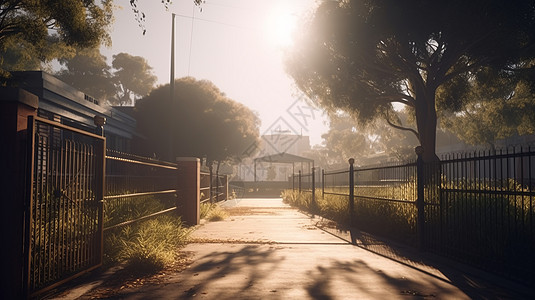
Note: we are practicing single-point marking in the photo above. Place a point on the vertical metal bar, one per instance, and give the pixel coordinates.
(83, 205)
(299, 182)
(39, 215)
(211, 186)
(313, 179)
(351, 192)
(217, 185)
(63, 204)
(420, 199)
(323, 183)
(100, 183)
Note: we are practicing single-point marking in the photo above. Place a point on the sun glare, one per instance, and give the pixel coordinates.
(280, 25)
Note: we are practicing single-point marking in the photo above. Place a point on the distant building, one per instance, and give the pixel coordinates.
(269, 145)
(284, 143)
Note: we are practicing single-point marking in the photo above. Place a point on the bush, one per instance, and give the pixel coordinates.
(212, 212)
(148, 246)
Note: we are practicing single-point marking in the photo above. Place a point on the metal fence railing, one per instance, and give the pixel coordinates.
(137, 188)
(214, 187)
(483, 210)
(77, 191)
(64, 209)
(478, 208)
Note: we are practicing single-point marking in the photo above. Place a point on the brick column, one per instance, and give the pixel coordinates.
(15, 107)
(189, 184)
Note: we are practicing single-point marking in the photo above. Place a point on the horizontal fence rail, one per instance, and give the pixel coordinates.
(478, 208)
(137, 188)
(214, 187)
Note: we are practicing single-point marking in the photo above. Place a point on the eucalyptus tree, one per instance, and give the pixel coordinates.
(363, 56)
(47, 29)
(496, 107)
(201, 121)
(133, 78)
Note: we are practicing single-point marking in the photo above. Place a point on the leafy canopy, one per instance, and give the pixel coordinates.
(130, 78)
(89, 72)
(205, 122)
(46, 29)
(496, 107)
(362, 56)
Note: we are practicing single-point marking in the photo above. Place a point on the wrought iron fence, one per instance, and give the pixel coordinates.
(63, 235)
(478, 208)
(483, 210)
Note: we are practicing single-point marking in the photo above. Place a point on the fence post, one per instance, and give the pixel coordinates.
(217, 185)
(210, 192)
(313, 188)
(299, 181)
(420, 218)
(189, 187)
(351, 191)
(323, 183)
(16, 105)
(225, 188)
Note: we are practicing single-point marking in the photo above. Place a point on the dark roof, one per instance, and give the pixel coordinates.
(283, 158)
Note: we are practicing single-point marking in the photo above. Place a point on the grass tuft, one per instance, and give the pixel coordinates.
(148, 246)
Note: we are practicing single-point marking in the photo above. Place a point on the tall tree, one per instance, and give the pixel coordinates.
(130, 78)
(205, 122)
(363, 56)
(497, 106)
(345, 140)
(133, 78)
(47, 25)
(89, 72)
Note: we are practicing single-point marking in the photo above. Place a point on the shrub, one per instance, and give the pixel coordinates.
(148, 246)
(213, 212)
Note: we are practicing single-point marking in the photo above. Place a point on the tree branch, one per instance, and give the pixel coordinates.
(401, 127)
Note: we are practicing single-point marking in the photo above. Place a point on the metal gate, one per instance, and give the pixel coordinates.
(63, 227)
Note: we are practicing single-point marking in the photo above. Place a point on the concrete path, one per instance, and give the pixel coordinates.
(267, 250)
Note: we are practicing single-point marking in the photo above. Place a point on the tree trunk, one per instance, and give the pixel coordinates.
(426, 122)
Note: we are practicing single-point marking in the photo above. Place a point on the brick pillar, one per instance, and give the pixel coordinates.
(189, 184)
(15, 107)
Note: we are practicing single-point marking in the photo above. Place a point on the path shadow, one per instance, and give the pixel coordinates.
(238, 270)
(475, 283)
(356, 277)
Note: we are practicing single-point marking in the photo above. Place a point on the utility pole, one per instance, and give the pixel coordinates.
(172, 89)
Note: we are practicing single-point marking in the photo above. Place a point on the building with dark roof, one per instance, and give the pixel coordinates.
(65, 104)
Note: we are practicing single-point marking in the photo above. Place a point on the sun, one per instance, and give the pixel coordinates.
(280, 25)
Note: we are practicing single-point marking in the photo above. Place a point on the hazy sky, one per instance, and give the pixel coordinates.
(237, 44)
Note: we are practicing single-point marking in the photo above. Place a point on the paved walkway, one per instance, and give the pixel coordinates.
(267, 250)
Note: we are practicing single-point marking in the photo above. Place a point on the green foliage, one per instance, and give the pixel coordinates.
(213, 212)
(363, 56)
(148, 246)
(133, 77)
(87, 70)
(125, 209)
(205, 209)
(204, 122)
(46, 28)
(496, 107)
